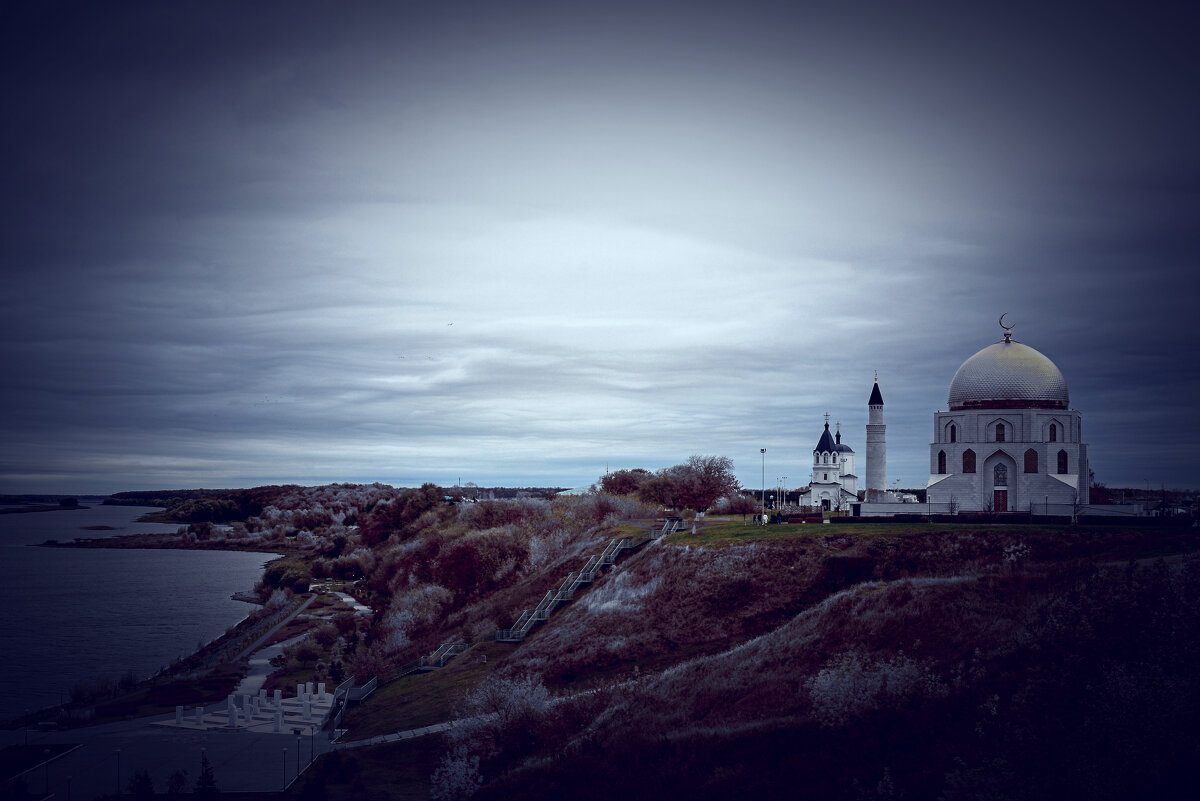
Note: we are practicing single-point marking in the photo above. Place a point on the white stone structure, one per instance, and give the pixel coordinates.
(1008, 442)
(833, 484)
(876, 485)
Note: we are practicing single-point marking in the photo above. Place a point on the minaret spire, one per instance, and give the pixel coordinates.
(876, 483)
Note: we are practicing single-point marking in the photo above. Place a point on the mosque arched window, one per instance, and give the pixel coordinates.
(953, 433)
(1000, 476)
(999, 432)
(825, 458)
(1053, 432)
(941, 462)
(1062, 462)
(1031, 461)
(968, 461)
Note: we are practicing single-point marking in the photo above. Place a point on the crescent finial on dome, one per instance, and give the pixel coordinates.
(1007, 328)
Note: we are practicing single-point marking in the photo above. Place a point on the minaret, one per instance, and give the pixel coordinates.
(876, 483)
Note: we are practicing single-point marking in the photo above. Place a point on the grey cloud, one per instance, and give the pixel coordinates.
(234, 241)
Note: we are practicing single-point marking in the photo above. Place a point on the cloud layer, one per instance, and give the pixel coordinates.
(519, 243)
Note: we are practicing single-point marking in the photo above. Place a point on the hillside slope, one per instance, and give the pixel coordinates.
(955, 663)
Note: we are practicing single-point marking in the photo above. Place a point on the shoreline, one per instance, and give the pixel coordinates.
(30, 508)
(206, 675)
(170, 541)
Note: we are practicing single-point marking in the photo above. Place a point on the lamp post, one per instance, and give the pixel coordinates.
(118, 771)
(763, 451)
(285, 768)
(783, 492)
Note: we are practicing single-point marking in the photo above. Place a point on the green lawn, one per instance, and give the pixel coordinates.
(1126, 542)
(208, 688)
(422, 699)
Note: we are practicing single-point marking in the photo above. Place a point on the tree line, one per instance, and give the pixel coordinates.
(699, 483)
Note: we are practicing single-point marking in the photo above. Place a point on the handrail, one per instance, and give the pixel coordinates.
(444, 653)
(575, 579)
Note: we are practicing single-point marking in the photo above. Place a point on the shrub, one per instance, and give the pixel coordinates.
(457, 777)
(141, 787)
(851, 685)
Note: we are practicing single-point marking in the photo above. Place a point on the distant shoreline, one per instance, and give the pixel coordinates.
(169, 541)
(26, 509)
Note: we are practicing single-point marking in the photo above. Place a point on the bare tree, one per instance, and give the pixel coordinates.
(695, 484)
(705, 479)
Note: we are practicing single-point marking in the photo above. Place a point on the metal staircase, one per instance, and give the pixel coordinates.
(444, 653)
(574, 580)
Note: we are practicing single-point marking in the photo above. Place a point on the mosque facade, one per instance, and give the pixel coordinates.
(1008, 440)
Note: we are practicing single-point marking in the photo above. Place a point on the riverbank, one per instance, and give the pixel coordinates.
(18, 510)
(214, 671)
(207, 676)
(170, 541)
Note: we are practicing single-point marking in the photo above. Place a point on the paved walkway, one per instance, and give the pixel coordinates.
(397, 736)
(243, 759)
(254, 646)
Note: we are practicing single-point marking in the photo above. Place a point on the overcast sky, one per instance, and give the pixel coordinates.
(515, 243)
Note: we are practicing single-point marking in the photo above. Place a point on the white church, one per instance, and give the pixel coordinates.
(833, 485)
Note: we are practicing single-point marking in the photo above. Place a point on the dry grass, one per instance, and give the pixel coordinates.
(422, 699)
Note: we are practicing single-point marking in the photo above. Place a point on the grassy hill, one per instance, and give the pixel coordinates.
(916, 661)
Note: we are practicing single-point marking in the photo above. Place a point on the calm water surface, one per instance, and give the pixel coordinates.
(80, 614)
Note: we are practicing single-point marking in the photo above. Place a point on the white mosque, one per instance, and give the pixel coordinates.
(1009, 441)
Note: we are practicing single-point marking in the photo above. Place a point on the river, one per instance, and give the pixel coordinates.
(83, 614)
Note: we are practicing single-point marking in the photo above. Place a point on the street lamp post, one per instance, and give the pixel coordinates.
(118, 771)
(763, 451)
(285, 768)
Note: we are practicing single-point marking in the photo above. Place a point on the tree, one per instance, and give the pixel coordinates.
(141, 787)
(695, 484)
(659, 488)
(704, 479)
(624, 482)
(176, 782)
(738, 503)
(206, 782)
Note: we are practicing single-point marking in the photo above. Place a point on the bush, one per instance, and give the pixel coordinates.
(141, 787)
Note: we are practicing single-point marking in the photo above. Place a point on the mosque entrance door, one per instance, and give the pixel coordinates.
(1000, 498)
